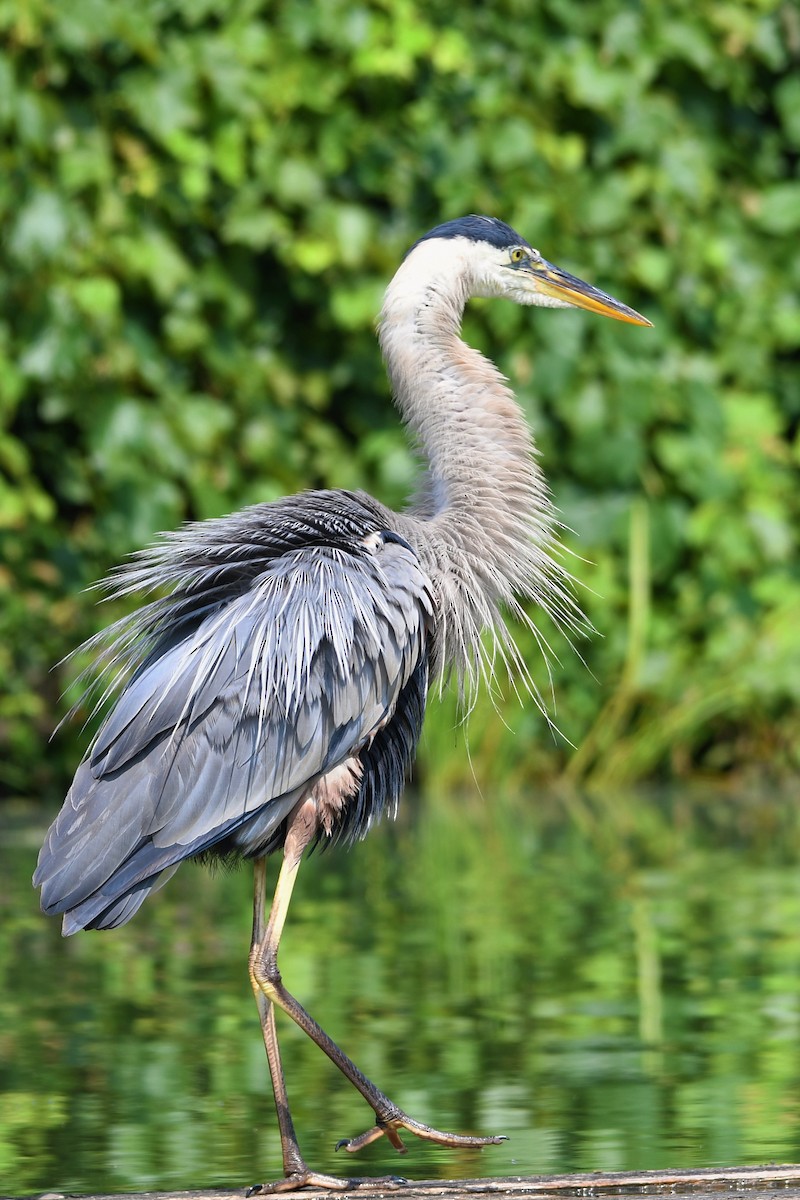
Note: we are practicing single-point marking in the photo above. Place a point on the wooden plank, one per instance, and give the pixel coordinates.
(779, 1182)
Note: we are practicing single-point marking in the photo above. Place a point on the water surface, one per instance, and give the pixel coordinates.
(614, 984)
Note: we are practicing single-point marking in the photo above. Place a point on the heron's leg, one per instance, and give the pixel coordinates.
(293, 1164)
(296, 1172)
(265, 976)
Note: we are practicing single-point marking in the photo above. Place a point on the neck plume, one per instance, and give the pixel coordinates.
(482, 522)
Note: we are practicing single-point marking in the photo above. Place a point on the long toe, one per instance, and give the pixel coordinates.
(390, 1126)
(331, 1183)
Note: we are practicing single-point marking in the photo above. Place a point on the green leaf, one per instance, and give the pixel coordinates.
(40, 229)
(778, 209)
(97, 296)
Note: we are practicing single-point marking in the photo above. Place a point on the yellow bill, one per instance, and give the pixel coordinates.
(552, 281)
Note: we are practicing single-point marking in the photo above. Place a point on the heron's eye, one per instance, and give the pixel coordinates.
(517, 254)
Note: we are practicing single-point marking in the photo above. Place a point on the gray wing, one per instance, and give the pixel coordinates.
(225, 726)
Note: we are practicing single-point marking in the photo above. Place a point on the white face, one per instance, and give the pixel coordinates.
(487, 270)
(510, 272)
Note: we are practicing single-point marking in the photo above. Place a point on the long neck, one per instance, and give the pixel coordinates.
(483, 521)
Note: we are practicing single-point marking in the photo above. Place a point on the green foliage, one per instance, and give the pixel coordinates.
(201, 203)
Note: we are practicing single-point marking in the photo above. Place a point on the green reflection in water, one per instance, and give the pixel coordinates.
(613, 984)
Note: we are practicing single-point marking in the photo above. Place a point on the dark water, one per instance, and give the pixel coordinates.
(615, 985)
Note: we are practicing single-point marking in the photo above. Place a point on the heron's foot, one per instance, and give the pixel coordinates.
(389, 1126)
(303, 1177)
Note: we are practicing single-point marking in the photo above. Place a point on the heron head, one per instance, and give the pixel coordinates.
(501, 263)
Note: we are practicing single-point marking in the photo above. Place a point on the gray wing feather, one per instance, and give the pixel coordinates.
(223, 727)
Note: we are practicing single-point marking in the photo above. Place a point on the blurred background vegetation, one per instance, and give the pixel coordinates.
(201, 202)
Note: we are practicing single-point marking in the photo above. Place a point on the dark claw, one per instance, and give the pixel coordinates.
(341, 1143)
(254, 1190)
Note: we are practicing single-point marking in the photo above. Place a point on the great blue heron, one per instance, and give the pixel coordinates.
(272, 694)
